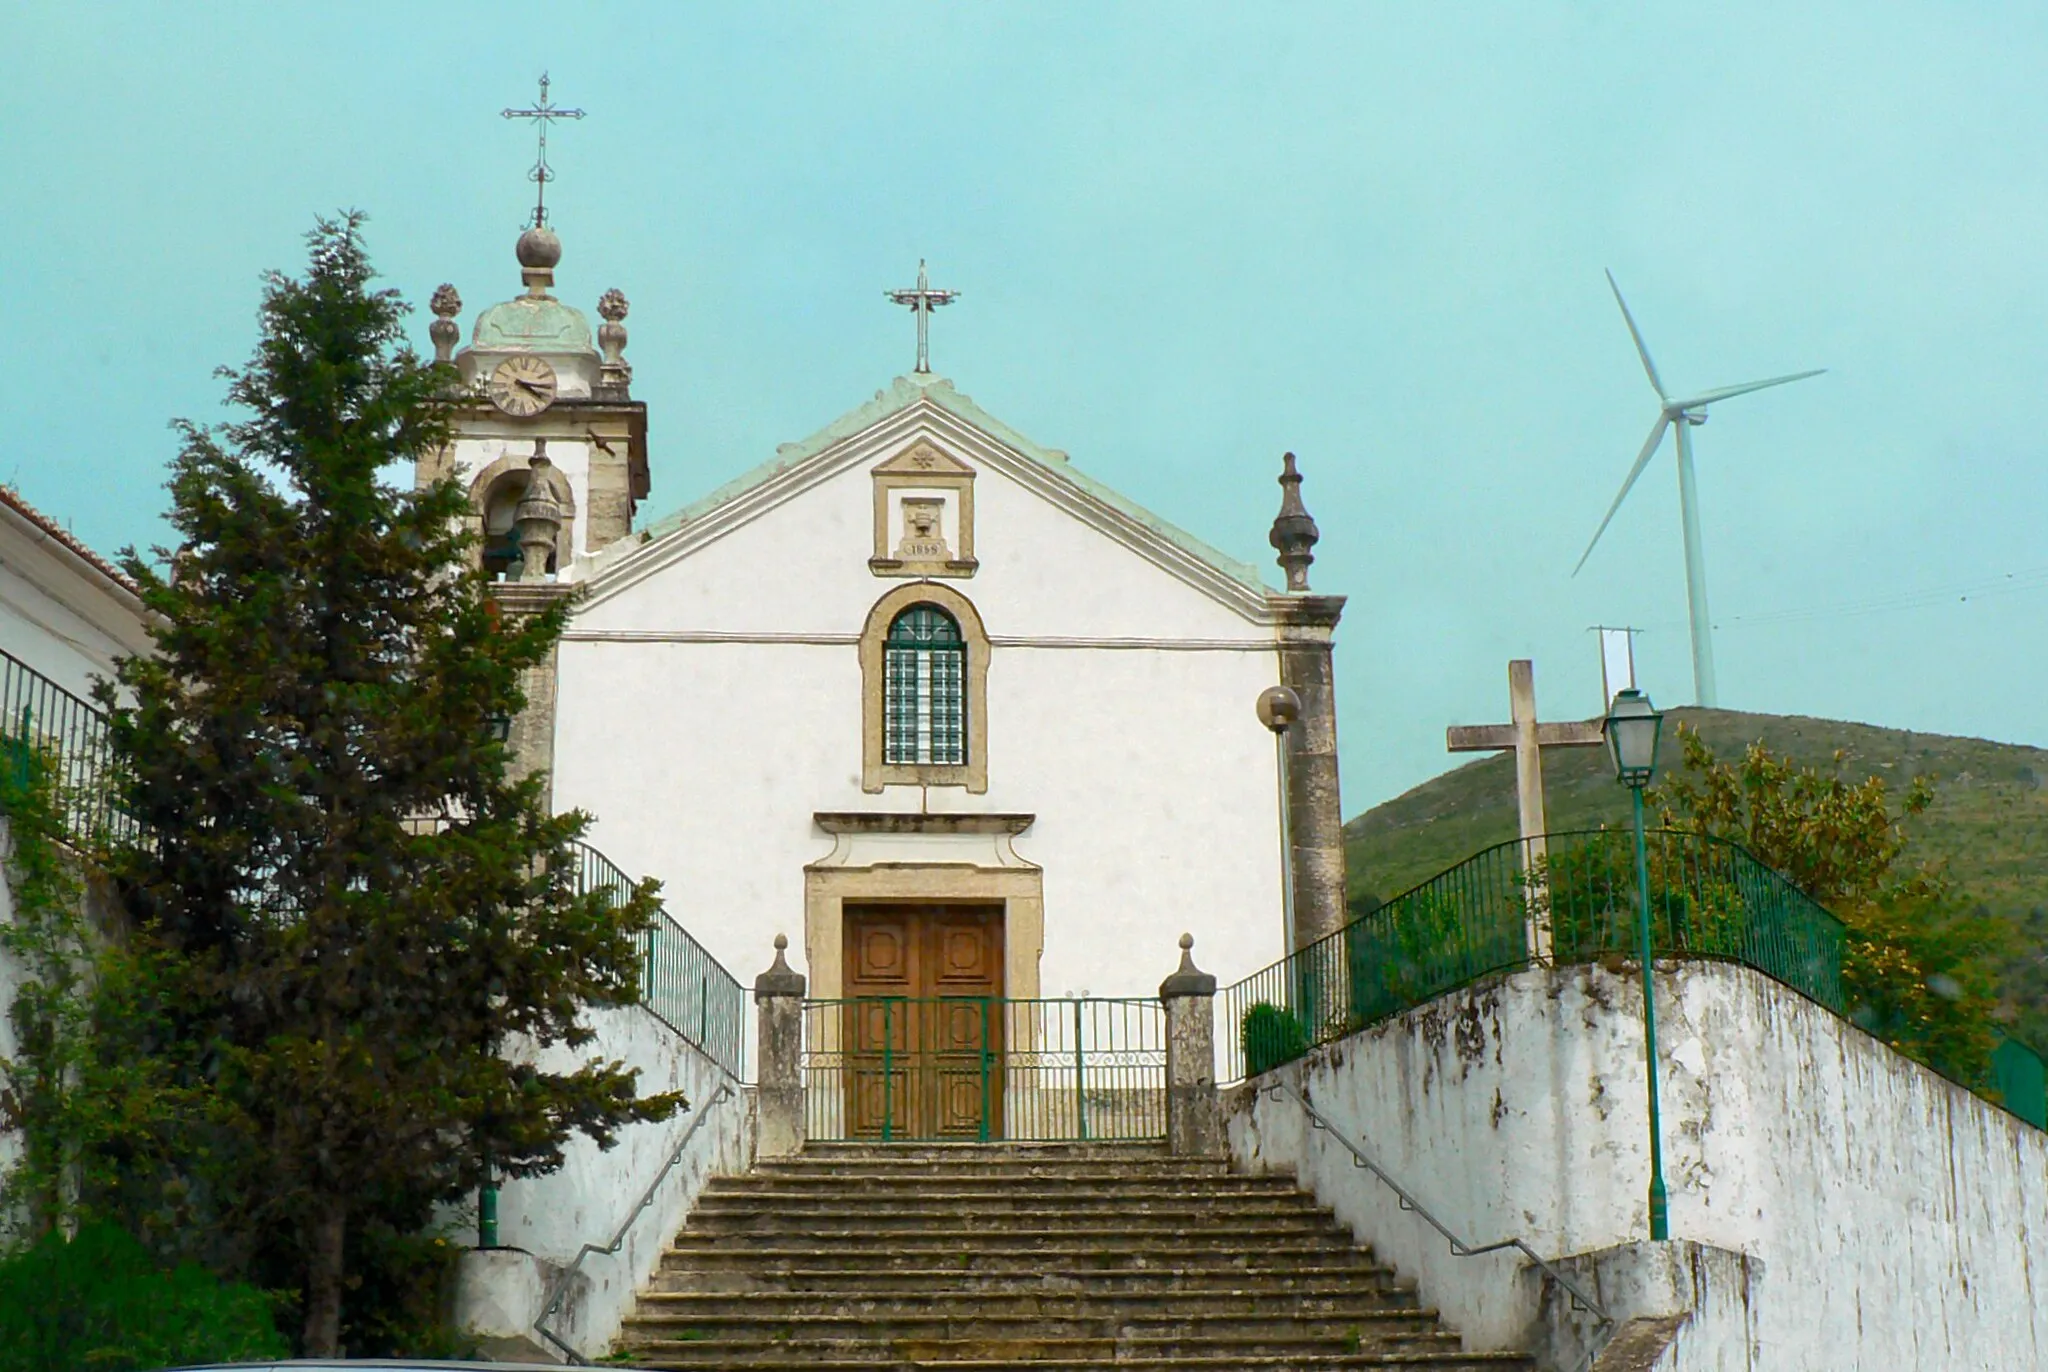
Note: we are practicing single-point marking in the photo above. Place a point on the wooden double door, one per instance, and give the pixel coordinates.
(924, 1021)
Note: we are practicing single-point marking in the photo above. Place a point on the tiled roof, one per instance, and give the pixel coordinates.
(12, 499)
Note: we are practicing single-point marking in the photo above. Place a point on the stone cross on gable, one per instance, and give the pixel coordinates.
(922, 299)
(1526, 739)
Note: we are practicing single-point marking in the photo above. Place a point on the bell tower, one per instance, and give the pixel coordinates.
(533, 384)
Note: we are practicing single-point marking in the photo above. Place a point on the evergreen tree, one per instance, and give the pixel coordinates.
(350, 907)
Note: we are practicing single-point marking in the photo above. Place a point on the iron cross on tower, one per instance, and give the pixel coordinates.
(541, 114)
(922, 300)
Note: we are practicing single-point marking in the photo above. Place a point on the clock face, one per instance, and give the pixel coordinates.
(523, 386)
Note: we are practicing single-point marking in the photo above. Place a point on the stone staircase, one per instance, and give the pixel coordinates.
(1023, 1256)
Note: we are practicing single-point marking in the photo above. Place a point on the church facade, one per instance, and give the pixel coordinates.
(916, 691)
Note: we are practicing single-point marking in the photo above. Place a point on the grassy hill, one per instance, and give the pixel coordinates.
(1989, 820)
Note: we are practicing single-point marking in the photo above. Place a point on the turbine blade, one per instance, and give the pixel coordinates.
(1642, 460)
(1744, 389)
(1642, 348)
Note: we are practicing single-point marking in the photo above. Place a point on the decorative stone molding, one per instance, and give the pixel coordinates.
(874, 772)
(924, 514)
(939, 876)
(615, 374)
(446, 304)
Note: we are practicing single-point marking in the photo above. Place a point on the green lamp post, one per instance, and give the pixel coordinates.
(1631, 728)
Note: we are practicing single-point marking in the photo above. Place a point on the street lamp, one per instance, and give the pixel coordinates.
(1631, 727)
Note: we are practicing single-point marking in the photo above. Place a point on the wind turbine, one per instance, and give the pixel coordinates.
(1687, 413)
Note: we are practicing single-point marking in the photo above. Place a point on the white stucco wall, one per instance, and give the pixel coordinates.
(596, 1190)
(707, 710)
(1899, 1220)
(59, 615)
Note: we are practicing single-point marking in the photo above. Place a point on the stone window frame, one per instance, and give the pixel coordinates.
(875, 774)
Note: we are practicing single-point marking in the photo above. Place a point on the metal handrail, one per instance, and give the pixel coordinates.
(1459, 1247)
(681, 984)
(726, 1091)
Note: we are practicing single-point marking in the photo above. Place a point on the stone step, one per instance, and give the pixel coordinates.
(968, 1183)
(780, 1189)
(988, 1258)
(659, 1324)
(1054, 1248)
(1187, 1173)
(1002, 1198)
(1122, 1154)
(1030, 1350)
(970, 1228)
(1069, 1257)
(1212, 1301)
(775, 1361)
(1279, 1280)
(963, 1229)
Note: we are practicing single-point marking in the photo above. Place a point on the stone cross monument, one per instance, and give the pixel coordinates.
(1526, 739)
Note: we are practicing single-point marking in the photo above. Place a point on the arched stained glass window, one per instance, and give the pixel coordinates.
(924, 706)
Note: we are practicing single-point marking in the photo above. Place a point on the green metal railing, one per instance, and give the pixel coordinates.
(681, 984)
(1708, 898)
(981, 1068)
(71, 734)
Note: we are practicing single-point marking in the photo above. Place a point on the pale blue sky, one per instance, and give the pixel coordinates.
(1189, 237)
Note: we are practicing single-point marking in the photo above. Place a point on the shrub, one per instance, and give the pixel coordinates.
(1272, 1035)
(99, 1302)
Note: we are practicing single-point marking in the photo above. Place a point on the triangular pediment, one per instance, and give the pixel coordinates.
(924, 458)
(925, 419)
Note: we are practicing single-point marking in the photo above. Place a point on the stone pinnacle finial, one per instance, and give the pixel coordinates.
(780, 979)
(1187, 979)
(1294, 532)
(446, 304)
(615, 374)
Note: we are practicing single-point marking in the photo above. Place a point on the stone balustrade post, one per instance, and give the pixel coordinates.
(1194, 1116)
(779, 1098)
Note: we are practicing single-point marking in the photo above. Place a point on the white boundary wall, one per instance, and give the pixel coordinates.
(550, 1218)
(1893, 1219)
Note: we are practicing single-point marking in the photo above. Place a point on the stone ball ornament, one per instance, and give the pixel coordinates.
(539, 249)
(612, 305)
(1279, 707)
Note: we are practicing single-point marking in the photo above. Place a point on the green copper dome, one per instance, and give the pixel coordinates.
(537, 323)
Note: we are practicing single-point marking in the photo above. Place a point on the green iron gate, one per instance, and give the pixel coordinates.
(984, 1068)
